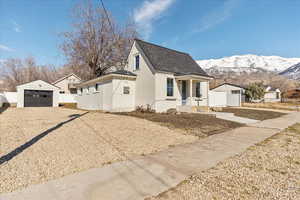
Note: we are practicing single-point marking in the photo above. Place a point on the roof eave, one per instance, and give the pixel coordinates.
(105, 78)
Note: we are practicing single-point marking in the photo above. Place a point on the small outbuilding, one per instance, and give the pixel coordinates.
(235, 93)
(37, 94)
(272, 94)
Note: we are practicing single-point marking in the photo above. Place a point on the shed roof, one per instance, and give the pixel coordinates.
(231, 84)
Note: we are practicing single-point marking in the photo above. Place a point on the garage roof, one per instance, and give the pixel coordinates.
(40, 82)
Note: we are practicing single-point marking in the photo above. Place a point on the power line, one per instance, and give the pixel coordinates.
(109, 22)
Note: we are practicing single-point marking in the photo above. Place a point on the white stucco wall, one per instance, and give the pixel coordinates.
(145, 80)
(163, 102)
(95, 100)
(36, 85)
(123, 102)
(109, 97)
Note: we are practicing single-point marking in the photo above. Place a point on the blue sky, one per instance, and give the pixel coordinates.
(204, 28)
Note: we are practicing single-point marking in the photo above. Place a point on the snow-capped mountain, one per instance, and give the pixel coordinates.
(248, 63)
(292, 72)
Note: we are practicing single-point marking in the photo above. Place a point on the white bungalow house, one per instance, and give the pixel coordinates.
(67, 84)
(272, 94)
(155, 77)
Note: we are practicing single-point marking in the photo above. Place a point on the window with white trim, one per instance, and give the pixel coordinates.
(170, 87)
(198, 90)
(126, 90)
(137, 62)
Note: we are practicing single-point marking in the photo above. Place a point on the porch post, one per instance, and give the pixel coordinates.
(191, 92)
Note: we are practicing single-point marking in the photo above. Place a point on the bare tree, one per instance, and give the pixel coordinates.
(96, 41)
(15, 71)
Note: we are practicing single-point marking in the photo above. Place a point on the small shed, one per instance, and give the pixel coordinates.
(235, 93)
(37, 94)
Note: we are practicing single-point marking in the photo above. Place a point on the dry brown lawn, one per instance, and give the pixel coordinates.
(200, 125)
(35, 146)
(274, 105)
(267, 171)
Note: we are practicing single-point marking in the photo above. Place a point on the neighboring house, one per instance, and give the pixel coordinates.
(67, 84)
(292, 94)
(155, 77)
(272, 94)
(235, 93)
(37, 94)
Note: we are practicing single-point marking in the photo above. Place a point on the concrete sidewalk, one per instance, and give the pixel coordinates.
(153, 174)
(232, 117)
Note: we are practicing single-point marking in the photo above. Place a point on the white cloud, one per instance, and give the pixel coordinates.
(5, 48)
(217, 16)
(148, 13)
(16, 26)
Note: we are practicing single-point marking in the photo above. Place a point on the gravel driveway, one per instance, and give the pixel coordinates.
(49, 150)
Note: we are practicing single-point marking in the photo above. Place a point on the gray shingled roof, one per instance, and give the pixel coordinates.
(168, 60)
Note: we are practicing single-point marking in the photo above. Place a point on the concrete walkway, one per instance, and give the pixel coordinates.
(153, 174)
(232, 117)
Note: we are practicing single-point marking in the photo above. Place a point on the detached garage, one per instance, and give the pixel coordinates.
(37, 94)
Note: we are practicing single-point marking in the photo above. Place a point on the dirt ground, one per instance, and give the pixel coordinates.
(253, 114)
(267, 171)
(200, 125)
(40, 144)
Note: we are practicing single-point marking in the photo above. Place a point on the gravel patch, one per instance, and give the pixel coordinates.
(269, 171)
(89, 141)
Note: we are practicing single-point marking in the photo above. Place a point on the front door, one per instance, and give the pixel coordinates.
(183, 92)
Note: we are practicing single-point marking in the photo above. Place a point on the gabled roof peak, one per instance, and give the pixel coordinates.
(163, 59)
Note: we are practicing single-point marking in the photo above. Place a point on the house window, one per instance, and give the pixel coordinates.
(81, 90)
(198, 90)
(235, 91)
(137, 62)
(170, 86)
(126, 90)
(97, 87)
(277, 95)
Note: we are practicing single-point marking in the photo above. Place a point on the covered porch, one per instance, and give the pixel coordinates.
(193, 90)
